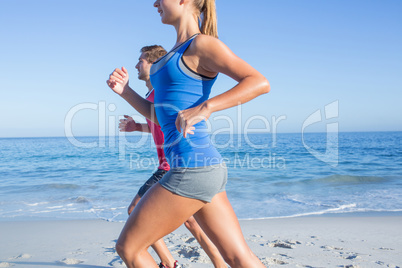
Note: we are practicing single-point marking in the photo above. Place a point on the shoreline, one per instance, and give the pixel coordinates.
(311, 241)
(318, 215)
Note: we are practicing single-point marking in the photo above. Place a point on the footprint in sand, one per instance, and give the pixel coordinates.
(388, 265)
(70, 261)
(280, 245)
(382, 248)
(193, 253)
(272, 261)
(79, 252)
(256, 238)
(188, 251)
(117, 262)
(110, 251)
(283, 244)
(22, 256)
(353, 257)
(190, 240)
(284, 256)
(331, 248)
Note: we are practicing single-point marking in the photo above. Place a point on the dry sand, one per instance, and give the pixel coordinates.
(331, 241)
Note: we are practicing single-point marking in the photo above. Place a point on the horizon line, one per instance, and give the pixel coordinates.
(138, 134)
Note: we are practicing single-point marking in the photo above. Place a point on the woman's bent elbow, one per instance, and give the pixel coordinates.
(265, 86)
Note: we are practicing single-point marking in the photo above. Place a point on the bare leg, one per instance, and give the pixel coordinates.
(159, 246)
(158, 213)
(220, 223)
(205, 242)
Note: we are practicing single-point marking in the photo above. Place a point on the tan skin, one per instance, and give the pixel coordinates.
(192, 225)
(160, 212)
(129, 125)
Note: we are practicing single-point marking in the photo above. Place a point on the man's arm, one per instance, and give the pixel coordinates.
(129, 125)
(118, 82)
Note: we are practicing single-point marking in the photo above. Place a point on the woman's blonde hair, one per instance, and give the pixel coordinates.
(207, 16)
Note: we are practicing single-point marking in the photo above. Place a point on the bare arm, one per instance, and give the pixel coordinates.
(118, 82)
(129, 125)
(144, 128)
(215, 57)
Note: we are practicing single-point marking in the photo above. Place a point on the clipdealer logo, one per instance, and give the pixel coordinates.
(107, 128)
(331, 154)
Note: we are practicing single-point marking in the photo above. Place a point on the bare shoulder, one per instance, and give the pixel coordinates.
(209, 45)
(213, 56)
(203, 39)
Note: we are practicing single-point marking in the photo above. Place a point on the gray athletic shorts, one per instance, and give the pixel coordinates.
(201, 183)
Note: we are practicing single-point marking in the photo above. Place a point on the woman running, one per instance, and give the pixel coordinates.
(195, 184)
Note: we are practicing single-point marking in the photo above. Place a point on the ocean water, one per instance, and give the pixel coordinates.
(282, 175)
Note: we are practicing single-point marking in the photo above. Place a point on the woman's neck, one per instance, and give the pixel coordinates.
(185, 28)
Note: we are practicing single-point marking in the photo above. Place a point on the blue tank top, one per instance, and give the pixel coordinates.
(178, 88)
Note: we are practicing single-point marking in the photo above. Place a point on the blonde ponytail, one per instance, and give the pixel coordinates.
(207, 9)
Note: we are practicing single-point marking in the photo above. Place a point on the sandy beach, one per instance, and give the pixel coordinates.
(318, 241)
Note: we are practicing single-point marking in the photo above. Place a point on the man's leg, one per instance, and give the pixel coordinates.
(206, 243)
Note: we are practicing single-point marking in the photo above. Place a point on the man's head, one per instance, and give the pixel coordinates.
(149, 54)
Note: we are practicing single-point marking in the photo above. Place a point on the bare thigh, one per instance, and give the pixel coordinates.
(157, 214)
(220, 223)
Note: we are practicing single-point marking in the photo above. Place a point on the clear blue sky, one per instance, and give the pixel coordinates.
(58, 54)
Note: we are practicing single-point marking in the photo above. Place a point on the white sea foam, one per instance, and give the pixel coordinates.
(36, 204)
(55, 207)
(341, 209)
